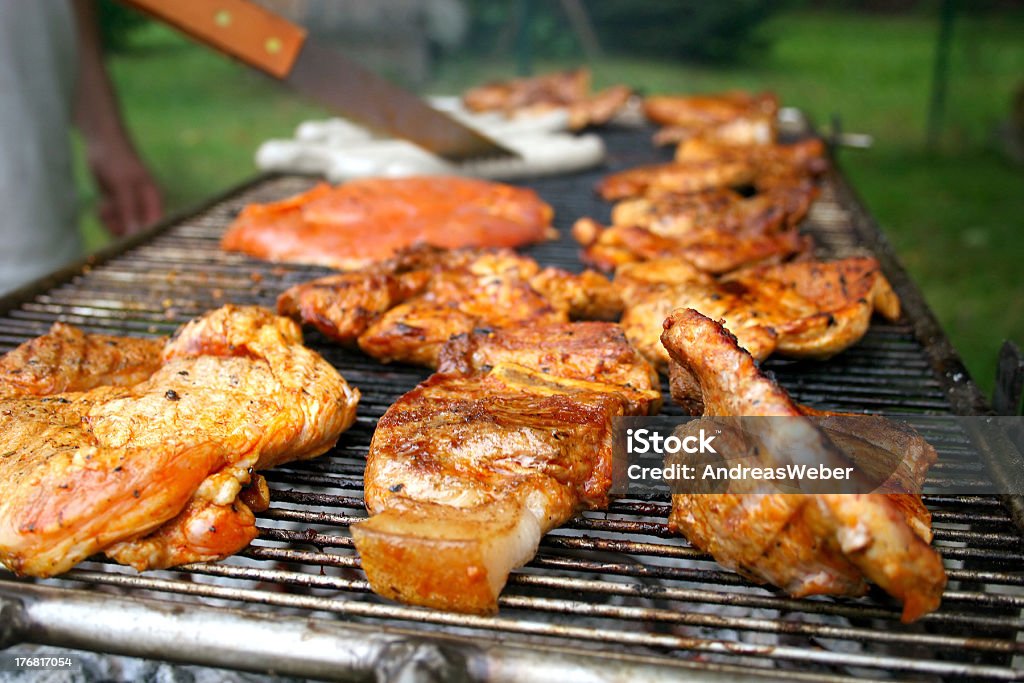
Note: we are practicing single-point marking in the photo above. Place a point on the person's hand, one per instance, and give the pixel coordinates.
(129, 197)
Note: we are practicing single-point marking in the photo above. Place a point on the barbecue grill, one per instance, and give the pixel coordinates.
(611, 596)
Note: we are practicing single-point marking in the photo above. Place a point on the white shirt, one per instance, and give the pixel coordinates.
(38, 203)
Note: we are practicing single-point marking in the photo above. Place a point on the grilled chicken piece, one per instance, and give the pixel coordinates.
(702, 165)
(696, 111)
(563, 89)
(67, 359)
(737, 118)
(599, 108)
(747, 129)
(718, 231)
(407, 308)
(134, 469)
(365, 221)
(680, 214)
(549, 90)
(468, 470)
(709, 249)
(807, 309)
(807, 544)
(777, 164)
(590, 351)
(691, 176)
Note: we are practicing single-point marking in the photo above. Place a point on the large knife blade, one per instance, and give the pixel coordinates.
(274, 45)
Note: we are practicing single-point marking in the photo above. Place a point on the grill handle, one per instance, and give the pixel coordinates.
(239, 28)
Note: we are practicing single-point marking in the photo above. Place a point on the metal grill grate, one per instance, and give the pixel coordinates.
(612, 586)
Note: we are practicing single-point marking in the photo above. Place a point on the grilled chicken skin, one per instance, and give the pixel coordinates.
(407, 308)
(680, 214)
(468, 470)
(718, 230)
(711, 250)
(807, 544)
(697, 111)
(138, 469)
(805, 309)
(701, 165)
(568, 89)
(67, 359)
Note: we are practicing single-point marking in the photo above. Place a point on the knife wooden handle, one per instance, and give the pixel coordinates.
(239, 28)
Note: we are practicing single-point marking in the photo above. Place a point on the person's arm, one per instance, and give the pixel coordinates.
(129, 198)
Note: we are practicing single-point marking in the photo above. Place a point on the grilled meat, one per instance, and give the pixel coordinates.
(680, 214)
(718, 231)
(114, 467)
(364, 221)
(563, 89)
(589, 351)
(468, 470)
(737, 118)
(67, 359)
(696, 111)
(407, 308)
(710, 249)
(600, 107)
(776, 164)
(807, 544)
(676, 176)
(701, 165)
(806, 309)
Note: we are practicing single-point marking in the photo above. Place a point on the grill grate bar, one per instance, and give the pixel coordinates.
(656, 641)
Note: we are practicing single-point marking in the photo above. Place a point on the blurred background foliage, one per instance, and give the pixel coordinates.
(954, 212)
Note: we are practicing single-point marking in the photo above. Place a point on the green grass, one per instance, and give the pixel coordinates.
(954, 216)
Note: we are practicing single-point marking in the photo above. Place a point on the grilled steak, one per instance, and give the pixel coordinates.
(468, 470)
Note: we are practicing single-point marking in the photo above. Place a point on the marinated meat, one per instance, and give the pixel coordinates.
(364, 221)
(737, 118)
(407, 308)
(778, 165)
(67, 359)
(681, 214)
(676, 176)
(807, 544)
(697, 111)
(806, 309)
(563, 89)
(590, 351)
(702, 165)
(468, 470)
(132, 469)
(709, 249)
(717, 231)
